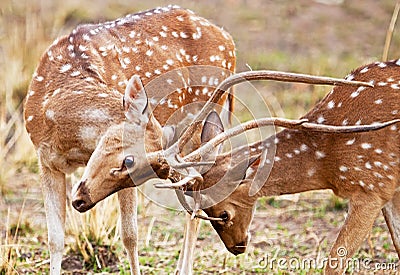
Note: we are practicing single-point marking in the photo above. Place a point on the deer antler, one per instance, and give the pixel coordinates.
(259, 75)
(301, 124)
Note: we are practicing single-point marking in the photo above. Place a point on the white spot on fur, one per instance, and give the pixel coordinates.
(303, 148)
(64, 68)
(382, 65)
(311, 172)
(50, 114)
(357, 92)
(370, 186)
(378, 175)
(395, 86)
(320, 154)
(350, 141)
(366, 145)
(98, 115)
(75, 73)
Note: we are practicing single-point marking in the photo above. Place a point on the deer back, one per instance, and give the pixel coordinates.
(76, 91)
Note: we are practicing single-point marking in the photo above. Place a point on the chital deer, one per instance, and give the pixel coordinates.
(362, 167)
(123, 158)
(76, 96)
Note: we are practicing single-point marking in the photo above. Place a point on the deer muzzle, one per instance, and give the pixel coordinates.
(81, 199)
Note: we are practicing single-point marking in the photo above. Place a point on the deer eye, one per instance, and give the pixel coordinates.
(224, 215)
(129, 161)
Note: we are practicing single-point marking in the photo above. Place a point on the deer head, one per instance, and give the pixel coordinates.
(119, 160)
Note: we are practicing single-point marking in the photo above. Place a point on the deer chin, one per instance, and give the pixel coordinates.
(240, 247)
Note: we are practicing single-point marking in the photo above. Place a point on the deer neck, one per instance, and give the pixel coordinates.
(298, 164)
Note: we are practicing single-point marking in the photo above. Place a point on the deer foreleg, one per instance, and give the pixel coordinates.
(185, 262)
(54, 192)
(363, 210)
(129, 231)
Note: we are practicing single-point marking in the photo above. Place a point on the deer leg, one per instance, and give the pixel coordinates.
(54, 192)
(185, 262)
(363, 210)
(129, 230)
(391, 212)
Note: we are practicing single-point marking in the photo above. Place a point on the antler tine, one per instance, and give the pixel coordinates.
(174, 184)
(192, 174)
(182, 199)
(260, 75)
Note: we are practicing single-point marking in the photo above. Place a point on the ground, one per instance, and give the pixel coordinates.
(318, 37)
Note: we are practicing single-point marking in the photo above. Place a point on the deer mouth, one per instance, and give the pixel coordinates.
(239, 248)
(82, 205)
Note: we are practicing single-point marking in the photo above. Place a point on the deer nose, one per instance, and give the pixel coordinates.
(81, 200)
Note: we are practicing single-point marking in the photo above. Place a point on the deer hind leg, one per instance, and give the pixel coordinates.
(54, 192)
(129, 230)
(185, 262)
(363, 210)
(391, 212)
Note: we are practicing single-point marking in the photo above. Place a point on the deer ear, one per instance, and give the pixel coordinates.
(212, 127)
(135, 101)
(168, 135)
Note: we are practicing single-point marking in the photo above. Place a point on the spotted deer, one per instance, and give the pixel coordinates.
(123, 158)
(361, 167)
(77, 91)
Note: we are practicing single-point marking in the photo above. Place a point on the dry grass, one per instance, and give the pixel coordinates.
(301, 36)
